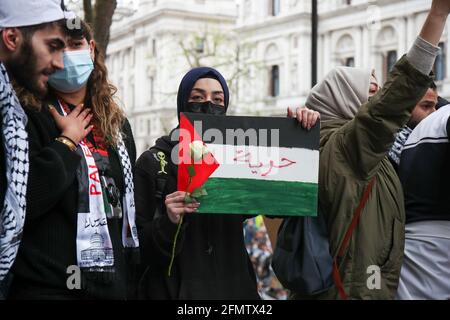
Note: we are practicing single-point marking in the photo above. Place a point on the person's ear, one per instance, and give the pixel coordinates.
(92, 49)
(11, 38)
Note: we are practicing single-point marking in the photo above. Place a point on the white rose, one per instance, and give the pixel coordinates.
(198, 150)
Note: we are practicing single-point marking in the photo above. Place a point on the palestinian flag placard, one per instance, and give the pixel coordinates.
(249, 165)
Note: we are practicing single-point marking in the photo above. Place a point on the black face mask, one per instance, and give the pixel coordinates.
(206, 107)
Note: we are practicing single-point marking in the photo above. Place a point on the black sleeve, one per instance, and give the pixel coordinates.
(448, 128)
(52, 166)
(156, 234)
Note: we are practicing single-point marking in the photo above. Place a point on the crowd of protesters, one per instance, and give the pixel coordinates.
(72, 193)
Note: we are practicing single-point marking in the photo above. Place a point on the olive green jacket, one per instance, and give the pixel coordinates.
(351, 154)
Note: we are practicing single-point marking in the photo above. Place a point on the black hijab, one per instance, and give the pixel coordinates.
(189, 81)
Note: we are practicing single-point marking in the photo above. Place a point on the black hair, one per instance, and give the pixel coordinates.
(78, 29)
(433, 86)
(441, 102)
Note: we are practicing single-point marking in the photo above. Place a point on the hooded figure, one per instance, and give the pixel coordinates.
(211, 261)
(340, 95)
(356, 135)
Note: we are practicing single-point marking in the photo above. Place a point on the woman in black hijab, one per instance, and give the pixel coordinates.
(211, 261)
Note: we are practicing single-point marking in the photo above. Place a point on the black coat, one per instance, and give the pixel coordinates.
(211, 260)
(49, 240)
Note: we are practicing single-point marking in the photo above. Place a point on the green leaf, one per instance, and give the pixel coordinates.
(196, 193)
(191, 171)
(188, 198)
(203, 191)
(199, 192)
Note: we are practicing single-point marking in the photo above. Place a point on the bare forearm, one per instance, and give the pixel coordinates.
(434, 26)
(425, 49)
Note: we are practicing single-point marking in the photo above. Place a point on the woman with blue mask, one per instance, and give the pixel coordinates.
(80, 240)
(78, 66)
(211, 261)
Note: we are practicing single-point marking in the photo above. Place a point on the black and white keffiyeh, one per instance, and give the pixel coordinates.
(129, 230)
(399, 143)
(15, 146)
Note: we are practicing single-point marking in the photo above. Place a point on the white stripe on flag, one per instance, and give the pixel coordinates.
(266, 163)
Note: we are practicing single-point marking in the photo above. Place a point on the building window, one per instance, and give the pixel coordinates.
(275, 7)
(149, 126)
(130, 55)
(200, 46)
(294, 77)
(295, 42)
(349, 62)
(131, 95)
(152, 90)
(439, 68)
(345, 51)
(154, 47)
(275, 81)
(389, 61)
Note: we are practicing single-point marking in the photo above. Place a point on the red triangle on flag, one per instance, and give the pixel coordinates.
(204, 168)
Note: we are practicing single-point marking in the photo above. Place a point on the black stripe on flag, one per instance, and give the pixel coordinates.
(291, 133)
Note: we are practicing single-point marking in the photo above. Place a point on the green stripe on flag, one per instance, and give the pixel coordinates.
(235, 196)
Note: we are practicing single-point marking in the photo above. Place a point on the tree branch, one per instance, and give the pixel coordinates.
(104, 10)
(186, 53)
(88, 14)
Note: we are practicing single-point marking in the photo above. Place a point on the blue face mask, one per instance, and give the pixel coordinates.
(78, 66)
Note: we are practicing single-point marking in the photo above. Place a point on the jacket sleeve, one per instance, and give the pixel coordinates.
(156, 234)
(52, 169)
(369, 136)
